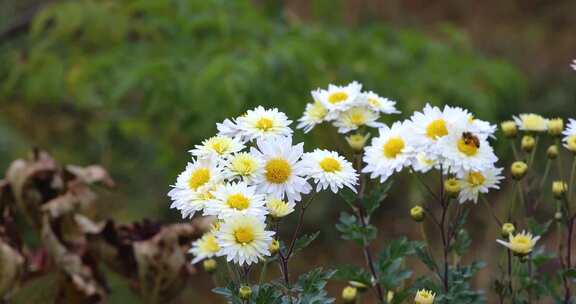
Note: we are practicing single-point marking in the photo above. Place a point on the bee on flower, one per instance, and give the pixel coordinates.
(521, 244)
(284, 174)
(244, 240)
(464, 151)
(390, 152)
(328, 169)
(473, 183)
(194, 186)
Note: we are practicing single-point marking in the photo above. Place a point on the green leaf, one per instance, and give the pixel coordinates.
(352, 230)
(346, 273)
(304, 241)
(376, 196)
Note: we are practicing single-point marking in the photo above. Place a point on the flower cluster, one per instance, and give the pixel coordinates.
(448, 139)
(247, 173)
(348, 108)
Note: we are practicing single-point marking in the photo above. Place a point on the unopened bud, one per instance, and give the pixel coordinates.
(357, 141)
(349, 294)
(452, 187)
(518, 169)
(507, 229)
(417, 213)
(210, 265)
(559, 188)
(274, 247)
(555, 126)
(528, 143)
(509, 128)
(245, 292)
(558, 216)
(552, 152)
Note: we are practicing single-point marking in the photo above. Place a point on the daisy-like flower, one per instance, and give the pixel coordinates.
(378, 103)
(314, 114)
(278, 208)
(261, 123)
(330, 170)
(194, 186)
(204, 248)
(244, 240)
(473, 183)
(236, 199)
(521, 244)
(338, 98)
(217, 146)
(283, 174)
(531, 122)
(464, 151)
(390, 152)
(424, 296)
(423, 164)
(243, 165)
(355, 117)
(570, 135)
(228, 128)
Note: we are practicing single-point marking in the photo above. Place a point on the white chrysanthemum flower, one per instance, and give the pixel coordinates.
(204, 248)
(243, 165)
(531, 122)
(228, 128)
(338, 98)
(194, 186)
(244, 240)
(355, 117)
(390, 152)
(378, 103)
(217, 146)
(473, 183)
(314, 114)
(236, 199)
(570, 128)
(328, 169)
(424, 164)
(261, 123)
(521, 243)
(283, 174)
(465, 151)
(278, 208)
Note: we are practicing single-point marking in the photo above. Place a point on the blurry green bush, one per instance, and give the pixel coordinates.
(132, 83)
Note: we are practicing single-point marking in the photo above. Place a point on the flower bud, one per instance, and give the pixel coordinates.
(518, 170)
(357, 141)
(509, 128)
(507, 229)
(552, 152)
(417, 213)
(559, 188)
(558, 216)
(390, 296)
(424, 296)
(571, 143)
(274, 247)
(555, 126)
(210, 265)
(245, 292)
(528, 143)
(452, 187)
(349, 294)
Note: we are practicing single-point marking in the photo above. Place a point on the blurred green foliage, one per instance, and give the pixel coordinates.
(133, 84)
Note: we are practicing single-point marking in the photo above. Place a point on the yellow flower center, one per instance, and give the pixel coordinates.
(244, 235)
(278, 170)
(277, 207)
(475, 178)
(220, 144)
(264, 124)
(571, 143)
(329, 164)
(244, 164)
(393, 147)
(238, 201)
(374, 102)
(436, 129)
(317, 111)
(521, 244)
(337, 97)
(467, 147)
(198, 178)
(357, 118)
(210, 244)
